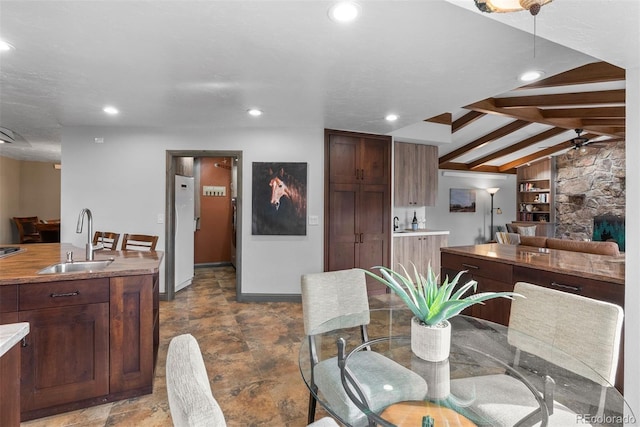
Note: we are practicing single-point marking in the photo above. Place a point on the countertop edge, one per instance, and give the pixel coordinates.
(11, 334)
(421, 233)
(553, 269)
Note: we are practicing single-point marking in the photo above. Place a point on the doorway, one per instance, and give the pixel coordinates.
(173, 168)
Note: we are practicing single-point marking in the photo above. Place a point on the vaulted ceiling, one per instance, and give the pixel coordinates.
(499, 134)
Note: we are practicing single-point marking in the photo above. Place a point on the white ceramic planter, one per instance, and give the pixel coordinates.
(431, 343)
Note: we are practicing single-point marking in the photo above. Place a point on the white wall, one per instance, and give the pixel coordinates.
(632, 228)
(468, 228)
(122, 181)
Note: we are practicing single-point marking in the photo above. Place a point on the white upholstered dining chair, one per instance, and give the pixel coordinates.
(329, 295)
(586, 329)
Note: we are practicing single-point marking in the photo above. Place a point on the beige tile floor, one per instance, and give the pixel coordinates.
(250, 350)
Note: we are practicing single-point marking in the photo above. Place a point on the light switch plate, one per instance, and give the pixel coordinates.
(313, 220)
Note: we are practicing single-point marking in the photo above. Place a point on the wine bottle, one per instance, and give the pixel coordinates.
(414, 221)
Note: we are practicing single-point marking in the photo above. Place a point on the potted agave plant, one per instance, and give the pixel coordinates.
(432, 306)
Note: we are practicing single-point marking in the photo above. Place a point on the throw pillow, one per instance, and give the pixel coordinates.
(527, 231)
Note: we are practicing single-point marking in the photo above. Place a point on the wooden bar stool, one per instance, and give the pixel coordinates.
(108, 239)
(139, 242)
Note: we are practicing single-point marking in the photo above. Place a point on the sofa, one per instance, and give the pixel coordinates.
(598, 248)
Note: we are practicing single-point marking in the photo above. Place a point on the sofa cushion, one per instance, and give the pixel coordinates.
(537, 241)
(599, 248)
(190, 399)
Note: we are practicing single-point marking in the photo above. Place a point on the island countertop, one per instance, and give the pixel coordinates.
(23, 267)
(598, 267)
(420, 232)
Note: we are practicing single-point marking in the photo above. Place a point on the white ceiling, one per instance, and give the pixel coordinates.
(204, 63)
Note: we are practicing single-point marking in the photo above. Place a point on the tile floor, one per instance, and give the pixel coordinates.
(250, 350)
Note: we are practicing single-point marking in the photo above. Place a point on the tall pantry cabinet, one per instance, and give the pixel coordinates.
(358, 202)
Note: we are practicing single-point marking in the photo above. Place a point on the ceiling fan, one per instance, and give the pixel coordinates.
(580, 141)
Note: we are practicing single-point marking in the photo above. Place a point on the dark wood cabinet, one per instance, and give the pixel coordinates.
(91, 341)
(496, 276)
(132, 333)
(10, 387)
(416, 174)
(65, 358)
(358, 202)
(358, 158)
(491, 277)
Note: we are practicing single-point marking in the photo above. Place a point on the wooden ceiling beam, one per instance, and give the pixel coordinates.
(443, 119)
(581, 113)
(597, 72)
(535, 156)
(463, 167)
(550, 133)
(465, 120)
(498, 133)
(563, 99)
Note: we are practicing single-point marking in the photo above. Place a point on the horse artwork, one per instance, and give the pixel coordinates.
(279, 199)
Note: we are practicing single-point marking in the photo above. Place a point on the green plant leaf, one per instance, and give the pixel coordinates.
(428, 301)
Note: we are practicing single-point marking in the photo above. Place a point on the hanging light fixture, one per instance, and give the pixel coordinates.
(504, 6)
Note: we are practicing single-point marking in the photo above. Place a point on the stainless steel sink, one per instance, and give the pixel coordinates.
(76, 267)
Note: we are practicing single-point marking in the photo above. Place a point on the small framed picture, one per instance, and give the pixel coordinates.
(462, 200)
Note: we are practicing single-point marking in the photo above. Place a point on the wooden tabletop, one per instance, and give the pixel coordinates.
(411, 413)
(23, 267)
(597, 267)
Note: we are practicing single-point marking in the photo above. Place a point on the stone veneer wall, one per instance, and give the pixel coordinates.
(589, 184)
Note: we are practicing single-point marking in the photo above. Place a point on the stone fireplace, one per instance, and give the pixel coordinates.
(589, 185)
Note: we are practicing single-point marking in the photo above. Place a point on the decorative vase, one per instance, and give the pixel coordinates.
(431, 343)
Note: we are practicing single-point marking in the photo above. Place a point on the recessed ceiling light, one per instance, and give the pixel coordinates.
(110, 110)
(344, 11)
(4, 46)
(254, 112)
(391, 117)
(529, 76)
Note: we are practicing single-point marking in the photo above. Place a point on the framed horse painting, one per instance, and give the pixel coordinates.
(279, 199)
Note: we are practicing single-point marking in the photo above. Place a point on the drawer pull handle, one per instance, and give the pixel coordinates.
(66, 294)
(568, 287)
(475, 267)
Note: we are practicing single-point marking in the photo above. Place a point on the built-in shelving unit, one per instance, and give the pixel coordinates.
(535, 194)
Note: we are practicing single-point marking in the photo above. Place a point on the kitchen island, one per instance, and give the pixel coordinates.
(498, 267)
(93, 335)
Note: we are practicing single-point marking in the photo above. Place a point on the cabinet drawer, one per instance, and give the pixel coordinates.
(8, 298)
(57, 294)
(477, 267)
(590, 288)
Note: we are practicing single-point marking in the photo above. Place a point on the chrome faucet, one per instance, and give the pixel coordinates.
(396, 224)
(89, 248)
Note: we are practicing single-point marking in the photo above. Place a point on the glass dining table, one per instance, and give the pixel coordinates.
(457, 392)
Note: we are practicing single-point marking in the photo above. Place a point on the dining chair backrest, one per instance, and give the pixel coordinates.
(587, 329)
(27, 231)
(108, 239)
(139, 242)
(332, 294)
(507, 238)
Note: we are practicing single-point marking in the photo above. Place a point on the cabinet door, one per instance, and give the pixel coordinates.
(375, 161)
(373, 223)
(343, 234)
(405, 182)
(416, 175)
(131, 333)
(354, 158)
(427, 159)
(344, 159)
(66, 357)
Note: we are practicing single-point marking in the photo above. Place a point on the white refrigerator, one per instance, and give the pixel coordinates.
(184, 229)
